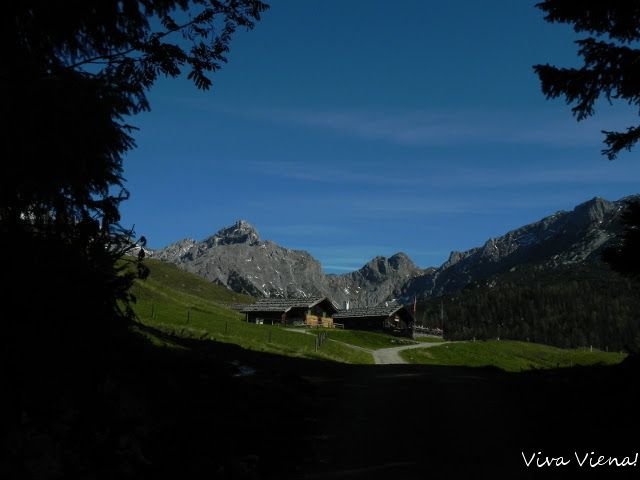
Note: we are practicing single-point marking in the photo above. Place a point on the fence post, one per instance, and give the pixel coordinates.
(153, 312)
(188, 315)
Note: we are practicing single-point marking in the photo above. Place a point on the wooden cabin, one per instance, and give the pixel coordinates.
(313, 312)
(395, 319)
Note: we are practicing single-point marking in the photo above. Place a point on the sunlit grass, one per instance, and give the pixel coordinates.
(183, 305)
(508, 355)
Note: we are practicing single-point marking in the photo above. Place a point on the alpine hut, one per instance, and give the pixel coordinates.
(313, 311)
(394, 319)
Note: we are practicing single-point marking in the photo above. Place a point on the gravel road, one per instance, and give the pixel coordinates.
(386, 356)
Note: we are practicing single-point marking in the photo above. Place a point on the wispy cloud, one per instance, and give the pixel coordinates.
(421, 175)
(352, 174)
(306, 230)
(412, 207)
(438, 128)
(532, 175)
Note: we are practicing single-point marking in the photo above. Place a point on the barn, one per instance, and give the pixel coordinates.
(312, 311)
(394, 319)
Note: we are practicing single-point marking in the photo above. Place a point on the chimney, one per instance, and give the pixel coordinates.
(346, 304)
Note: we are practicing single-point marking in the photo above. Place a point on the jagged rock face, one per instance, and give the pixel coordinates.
(379, 280)
(260, 269)
(565, 237)
(241, 232)
(238, 258)
(178, 252)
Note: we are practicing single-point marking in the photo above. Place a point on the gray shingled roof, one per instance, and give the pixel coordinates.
(377, 311)
(283, 304)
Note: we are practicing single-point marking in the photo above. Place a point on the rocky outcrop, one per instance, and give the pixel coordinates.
(379, 280)
(561, 238)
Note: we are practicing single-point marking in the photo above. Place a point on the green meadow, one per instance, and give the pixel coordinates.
(508, 355)
(365, 339)
(180, 304)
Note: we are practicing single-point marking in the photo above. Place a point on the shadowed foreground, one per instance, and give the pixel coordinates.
(203, 413)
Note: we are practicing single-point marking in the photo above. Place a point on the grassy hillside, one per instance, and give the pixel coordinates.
(508, 355)
(184, 305)
(166, 277)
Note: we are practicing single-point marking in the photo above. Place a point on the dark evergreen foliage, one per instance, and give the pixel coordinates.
(610, 67)
(73, 74)
(567, 306)
(611, 71)
(624, 255)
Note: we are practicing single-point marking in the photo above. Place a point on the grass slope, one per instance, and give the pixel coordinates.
(167, 277)
(184, 305)
(511, 356)
(365, 339)
(430, 339)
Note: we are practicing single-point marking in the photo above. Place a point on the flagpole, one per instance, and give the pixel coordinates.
(413, 335)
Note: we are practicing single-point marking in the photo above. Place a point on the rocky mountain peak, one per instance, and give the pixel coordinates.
(379, 267)
(182, 250)
(402, 261)
(454, 257)
(240, 232)
(593, 210)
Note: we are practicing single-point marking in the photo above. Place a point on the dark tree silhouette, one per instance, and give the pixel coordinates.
(72, 75)
(610, 67)
(611, 71)
(624, 255)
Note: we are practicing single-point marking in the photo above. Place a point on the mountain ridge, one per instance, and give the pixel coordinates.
(238, 258)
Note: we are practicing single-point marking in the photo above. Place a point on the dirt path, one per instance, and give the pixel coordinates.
(386, 356)
(350, 345)
(298, 330)
(381, 356)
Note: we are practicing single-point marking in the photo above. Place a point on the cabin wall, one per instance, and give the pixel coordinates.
(388, 325)
(320, 310)
(401, 327)
(296, 315)
(362, 323)
(267, 317)
(324, 309)
(324, 306)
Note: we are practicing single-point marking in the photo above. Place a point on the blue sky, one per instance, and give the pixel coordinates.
(359, 128)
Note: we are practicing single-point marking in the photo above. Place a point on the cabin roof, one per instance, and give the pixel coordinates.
(285, 304)
(376, 311)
